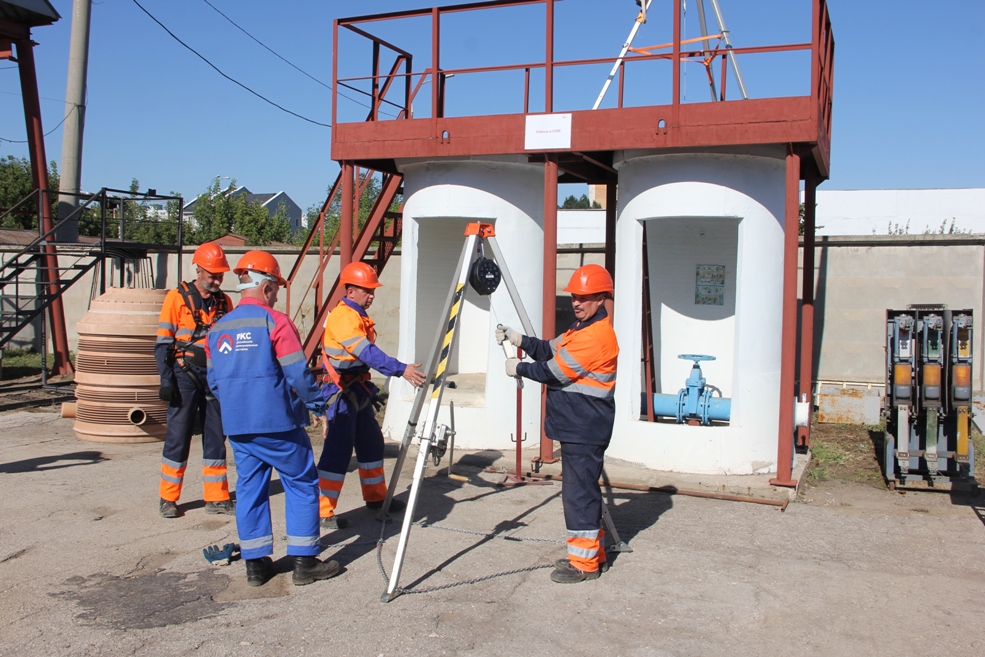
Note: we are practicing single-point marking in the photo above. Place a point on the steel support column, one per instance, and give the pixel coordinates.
(788, 338)
(550, 288)
(345, 220)
(806, 386)
(610, 227)
(39, 173)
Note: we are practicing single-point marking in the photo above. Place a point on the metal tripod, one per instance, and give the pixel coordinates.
(434, 437)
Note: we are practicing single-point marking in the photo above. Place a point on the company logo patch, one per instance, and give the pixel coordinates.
(226, 344)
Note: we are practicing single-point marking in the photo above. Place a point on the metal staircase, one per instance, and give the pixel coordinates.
(36, 276)
(374, 243)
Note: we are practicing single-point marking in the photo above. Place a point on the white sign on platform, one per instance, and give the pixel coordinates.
(547, 131)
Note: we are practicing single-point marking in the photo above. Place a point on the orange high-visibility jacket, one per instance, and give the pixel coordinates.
(579, 368)
(349, 349)
(178, 331)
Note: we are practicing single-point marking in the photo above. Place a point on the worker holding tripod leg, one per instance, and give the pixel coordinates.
(579, 369)
(349, 351)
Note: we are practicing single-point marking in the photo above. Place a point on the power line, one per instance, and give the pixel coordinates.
(291, 64)
(24, 141)
(234, 81)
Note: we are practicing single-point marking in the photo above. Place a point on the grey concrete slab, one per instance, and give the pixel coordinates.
(88, 568)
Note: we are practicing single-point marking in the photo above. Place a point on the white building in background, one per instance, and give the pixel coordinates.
(844, 212)
(900, 211)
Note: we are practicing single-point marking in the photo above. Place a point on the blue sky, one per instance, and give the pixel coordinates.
(908, 98)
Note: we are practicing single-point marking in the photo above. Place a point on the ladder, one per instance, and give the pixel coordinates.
(484, 275)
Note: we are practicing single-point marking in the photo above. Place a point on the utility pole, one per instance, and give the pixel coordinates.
(75, 95)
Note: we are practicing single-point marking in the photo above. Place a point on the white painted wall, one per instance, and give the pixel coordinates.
(880, 211)
(843, 212)
(737, 198)
(440, 199)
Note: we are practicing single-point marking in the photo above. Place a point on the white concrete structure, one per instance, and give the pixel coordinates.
(701, 209)
(440, 198)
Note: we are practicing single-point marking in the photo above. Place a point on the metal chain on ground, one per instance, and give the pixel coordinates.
(432, 589)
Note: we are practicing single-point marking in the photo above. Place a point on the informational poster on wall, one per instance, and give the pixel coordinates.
(547, 131)
(709, 288)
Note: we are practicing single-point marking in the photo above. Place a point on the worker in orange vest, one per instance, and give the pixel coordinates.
(348, 353)
(579, 369)
(188, 313)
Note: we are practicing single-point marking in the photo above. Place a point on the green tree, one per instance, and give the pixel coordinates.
(16, 184)
(334, 214)
(142, 222)
(219, 212)
(572, 203)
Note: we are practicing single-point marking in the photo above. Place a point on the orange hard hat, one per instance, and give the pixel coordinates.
(259, 261)
(359, 274)
(211, 258)
(590, 279)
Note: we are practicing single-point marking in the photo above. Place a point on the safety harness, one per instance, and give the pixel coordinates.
(343, 382)
(191, 352)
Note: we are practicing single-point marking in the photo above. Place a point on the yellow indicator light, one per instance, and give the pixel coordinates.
(964, 343)
(931, 375)
(902, 374)
(961, 376)
(962, 450)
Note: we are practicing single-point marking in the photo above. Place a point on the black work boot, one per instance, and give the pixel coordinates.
(168, 509)
(564, 563)
(571, 575)
(225, 507)
(310, 569)
(258, 571)
(333, 522)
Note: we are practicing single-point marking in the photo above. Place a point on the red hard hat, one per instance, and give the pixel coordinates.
(359, 274)
(259, 261)
(211, 258)
(590, 279)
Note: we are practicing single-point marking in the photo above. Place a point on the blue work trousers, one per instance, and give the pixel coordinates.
(191, 413)
(350, 429)
(290, 454)
(581, 495)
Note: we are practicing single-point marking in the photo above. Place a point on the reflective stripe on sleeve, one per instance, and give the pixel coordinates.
(557, 372)
(291, 358)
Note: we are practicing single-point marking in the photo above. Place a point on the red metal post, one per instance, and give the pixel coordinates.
(549, 65)
(335, 71)
(39, 174)
(435, 63)
(345, 220)
(788, 338)
(550, 286)
(677, 60)
(610, 227)
(807, 306)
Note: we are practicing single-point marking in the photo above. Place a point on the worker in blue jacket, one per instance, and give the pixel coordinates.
(257, 371)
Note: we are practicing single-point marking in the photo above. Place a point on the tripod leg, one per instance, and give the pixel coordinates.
(415, 489)
(618, 545)
(395, 475)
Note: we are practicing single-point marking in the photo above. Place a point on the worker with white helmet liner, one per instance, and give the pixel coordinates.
(579, 369)
(257, 370)
(188, 312)
(349, 351)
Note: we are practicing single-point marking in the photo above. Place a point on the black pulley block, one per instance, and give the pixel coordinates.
(485, 276)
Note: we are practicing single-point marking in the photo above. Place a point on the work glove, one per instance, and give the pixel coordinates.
(511, 364)
(504, 333)
(168, 394)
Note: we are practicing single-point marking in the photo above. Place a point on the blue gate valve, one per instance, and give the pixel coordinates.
(695, 400)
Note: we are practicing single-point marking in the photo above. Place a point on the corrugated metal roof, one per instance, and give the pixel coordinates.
(28, 12)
